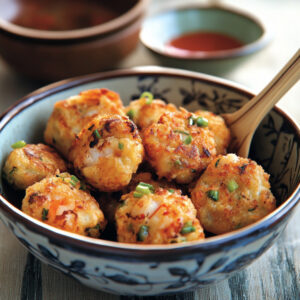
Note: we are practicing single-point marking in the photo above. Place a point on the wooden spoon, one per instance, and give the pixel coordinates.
(244, 122)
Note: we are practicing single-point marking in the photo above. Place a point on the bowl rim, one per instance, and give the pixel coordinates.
(244, 50)
(117, 249)
(129, 16)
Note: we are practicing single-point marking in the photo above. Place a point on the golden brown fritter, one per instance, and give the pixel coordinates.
(178, 149)
(109, 202)
(69, 116)
(217, 125)
(232, 192)
(60, 201)
(144, 113)
(30, 164)
(161, 217)
(107, 152)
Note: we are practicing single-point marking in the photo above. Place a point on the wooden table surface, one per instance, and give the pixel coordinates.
(275, 275)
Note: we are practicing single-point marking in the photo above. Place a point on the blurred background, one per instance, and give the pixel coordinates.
(281, 20)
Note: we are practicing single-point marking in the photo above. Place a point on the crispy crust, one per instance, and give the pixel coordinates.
(59, 201)
(107, 152)
(69, 116)
(30, 164)
(249, 202)
(164, 213)
(168, 153)
(147, 114)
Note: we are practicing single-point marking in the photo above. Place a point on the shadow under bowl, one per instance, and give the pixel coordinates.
(130, 269)
(159, 29)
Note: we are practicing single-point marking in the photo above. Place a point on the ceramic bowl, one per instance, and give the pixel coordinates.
(130, 269)
(52, 55)
(162, 27)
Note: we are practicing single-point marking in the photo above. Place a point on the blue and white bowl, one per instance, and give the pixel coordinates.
(129, 269)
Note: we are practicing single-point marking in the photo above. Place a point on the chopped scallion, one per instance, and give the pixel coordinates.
(182, 132)
(150, 186)
(178, 163)
(187, 228)
(74, 180)
(149, 97)
(191, 121)
(137, 195)
(143, 189)
(217, 162)
(188, 140)
(143, 233)
(96, 134)
(213, 194)
(45, 214)
(130, 114)
(232, 185)
(201, 122)
(252, 209)
(121, 146)
(18, 144)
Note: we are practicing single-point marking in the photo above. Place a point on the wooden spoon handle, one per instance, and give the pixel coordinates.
(244, 122)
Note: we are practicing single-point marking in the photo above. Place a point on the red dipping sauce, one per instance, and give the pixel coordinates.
(204, 41)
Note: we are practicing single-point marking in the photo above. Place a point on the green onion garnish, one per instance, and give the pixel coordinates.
(171, 191)
(217, 162)
(143, 233)
(143, 189)
(18, 144)
(74, 180)
(191, 121)
(91, 127)
(149, 97)
(45, 214)
(187, 228)
(150, 186)
(182, 132)
(96, 134)
(137, 195)
(213, 194)
(202, 122)
(121, 146)
(188, 140)
(232, 185)
(178, 163)
(130, 114)
(252, 209)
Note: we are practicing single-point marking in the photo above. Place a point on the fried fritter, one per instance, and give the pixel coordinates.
(107, 152)
(232, 192)
(217, 125)
(60, 201)
(144, 113)
(69, 116)
(160, 217)
(177, 148)
(30, 164)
